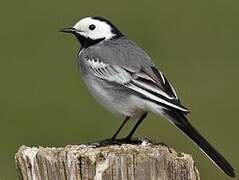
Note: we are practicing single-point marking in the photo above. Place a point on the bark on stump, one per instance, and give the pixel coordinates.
(141, 160)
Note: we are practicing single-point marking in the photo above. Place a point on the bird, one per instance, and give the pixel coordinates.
(122, 78)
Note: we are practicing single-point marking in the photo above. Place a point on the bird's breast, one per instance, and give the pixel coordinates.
(114, 97)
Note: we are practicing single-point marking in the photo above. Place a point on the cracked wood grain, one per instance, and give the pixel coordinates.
(107, 161)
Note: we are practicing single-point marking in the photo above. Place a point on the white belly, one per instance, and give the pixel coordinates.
(116, 101)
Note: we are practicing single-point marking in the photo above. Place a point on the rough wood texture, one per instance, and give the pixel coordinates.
(102, 161)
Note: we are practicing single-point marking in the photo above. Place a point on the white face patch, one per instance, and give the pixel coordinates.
(101, 30)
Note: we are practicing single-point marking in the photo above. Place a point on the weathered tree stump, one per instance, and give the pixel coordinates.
(118, 160)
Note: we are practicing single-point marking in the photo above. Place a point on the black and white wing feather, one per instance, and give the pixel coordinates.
(161, 93)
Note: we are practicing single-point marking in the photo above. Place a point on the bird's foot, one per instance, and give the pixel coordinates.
(127, 140)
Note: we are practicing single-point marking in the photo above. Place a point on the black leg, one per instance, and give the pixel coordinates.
(122, 125)
(136, 125)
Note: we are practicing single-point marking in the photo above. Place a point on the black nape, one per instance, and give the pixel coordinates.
(114, 29)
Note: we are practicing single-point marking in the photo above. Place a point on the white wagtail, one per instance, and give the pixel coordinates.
(123, 78)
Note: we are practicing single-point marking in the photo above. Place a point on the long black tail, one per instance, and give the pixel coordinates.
(180, 121)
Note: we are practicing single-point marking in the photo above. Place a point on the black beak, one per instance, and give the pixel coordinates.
(68, 30)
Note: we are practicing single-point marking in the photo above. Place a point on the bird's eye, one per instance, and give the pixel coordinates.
(92, 27)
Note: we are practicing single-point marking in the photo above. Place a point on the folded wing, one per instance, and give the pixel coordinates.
(139, 82)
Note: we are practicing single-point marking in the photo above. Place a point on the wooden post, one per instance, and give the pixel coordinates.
(105, 160)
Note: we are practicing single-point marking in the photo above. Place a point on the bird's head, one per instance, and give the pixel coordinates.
(92, 30)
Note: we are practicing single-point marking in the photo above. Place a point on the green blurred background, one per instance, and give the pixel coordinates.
(43, 100)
